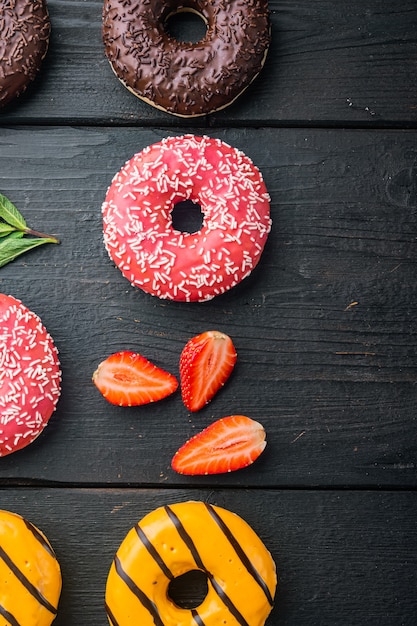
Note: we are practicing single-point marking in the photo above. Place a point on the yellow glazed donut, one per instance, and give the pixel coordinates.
(30, 576)
(175, 539)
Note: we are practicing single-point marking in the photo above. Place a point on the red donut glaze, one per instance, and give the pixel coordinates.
(182, 266)
(30, 377)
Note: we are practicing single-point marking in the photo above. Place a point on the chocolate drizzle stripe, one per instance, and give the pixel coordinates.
(26, 583)
(185, 537)
(142, 597)
(190, 544)
(197, 618)
(241, 553)
(110, 615)
(154, 553)
(10, 618)
(38, 536)
(228, 602)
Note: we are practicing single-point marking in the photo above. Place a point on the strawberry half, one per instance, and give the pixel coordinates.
(206, 363)
(228, 444)
(129, 379)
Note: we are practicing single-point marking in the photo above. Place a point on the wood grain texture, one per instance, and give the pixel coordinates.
(341, 557)
(324, 328)
(349, 62)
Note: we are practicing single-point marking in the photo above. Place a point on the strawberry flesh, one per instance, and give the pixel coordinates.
(228, 444)
(206, 363)
(129, 379)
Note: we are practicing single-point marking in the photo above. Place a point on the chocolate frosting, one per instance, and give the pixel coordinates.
(186, 79)
(24, 39)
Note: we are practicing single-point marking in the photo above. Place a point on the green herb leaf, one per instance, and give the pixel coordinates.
(13, 228)
(14, 245)
(6, 229)
(35, 233)
(5, 243)
(16, 234)
(10, 214)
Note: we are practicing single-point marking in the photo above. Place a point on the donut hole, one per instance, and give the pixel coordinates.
(188, 590)
(186, 25)
(187, 217)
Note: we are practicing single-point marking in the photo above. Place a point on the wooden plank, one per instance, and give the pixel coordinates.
(350, 62)
(324, 329)
(342, 557)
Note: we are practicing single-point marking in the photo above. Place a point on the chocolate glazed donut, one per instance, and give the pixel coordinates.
(186, 79)
(24, 39)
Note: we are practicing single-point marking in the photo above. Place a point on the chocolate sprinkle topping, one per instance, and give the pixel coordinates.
(186, 79)
(24, 39)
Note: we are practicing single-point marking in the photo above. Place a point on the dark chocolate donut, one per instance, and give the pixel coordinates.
(24, 39)
(186, 79)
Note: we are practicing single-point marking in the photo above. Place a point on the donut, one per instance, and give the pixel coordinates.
(30, 575)
(181, 78)
(179, 538)
(24, 39)
(30, 375)
(169, 263)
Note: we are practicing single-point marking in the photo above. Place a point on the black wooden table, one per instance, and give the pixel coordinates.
(325, 328)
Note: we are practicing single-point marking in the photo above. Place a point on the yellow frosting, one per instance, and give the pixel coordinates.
(178, 538)
(30, 576)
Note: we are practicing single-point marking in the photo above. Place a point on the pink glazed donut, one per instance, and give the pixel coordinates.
(30, 376)
(169, 263)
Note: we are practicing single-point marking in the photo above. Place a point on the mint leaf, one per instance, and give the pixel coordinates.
(35, 233)
(6, 229)
(15, 244)
(6, 241)
(13, 229)
(16, 234)
(10, 214)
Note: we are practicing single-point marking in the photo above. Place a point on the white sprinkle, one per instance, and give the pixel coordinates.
(234, 203)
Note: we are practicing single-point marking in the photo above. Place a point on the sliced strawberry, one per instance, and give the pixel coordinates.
(206, 363)
(128, 379)
(228, 444)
